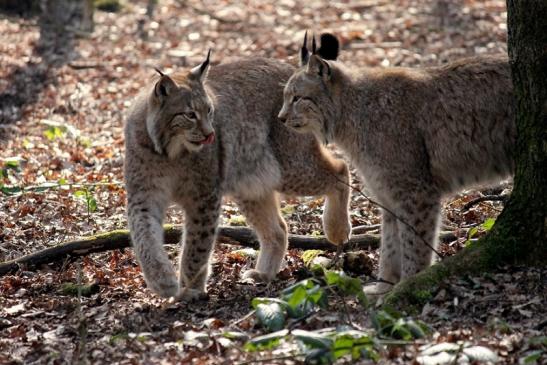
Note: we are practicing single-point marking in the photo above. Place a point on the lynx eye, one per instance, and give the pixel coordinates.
(296, 98)
(190, 115)
(210, 111)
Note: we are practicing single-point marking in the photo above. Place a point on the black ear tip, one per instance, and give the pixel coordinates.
(159, 71)
(330, 46)
(329, 38)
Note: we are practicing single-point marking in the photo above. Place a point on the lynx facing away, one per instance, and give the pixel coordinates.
(195, 136)
(414, 135)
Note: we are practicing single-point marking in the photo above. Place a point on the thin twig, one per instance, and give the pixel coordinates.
(485, 198)
(248, 315)
(365, 228)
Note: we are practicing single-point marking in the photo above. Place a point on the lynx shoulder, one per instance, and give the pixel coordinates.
(414, 135)
(198, 135)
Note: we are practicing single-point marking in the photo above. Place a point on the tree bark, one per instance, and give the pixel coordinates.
(519, 235)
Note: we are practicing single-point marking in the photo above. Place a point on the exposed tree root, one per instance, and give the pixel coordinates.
(232, 235)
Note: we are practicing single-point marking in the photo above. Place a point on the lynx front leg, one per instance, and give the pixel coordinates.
(390, 257)
(263, 215)
(198, 242)
(418, 233)
(336, 222)
(145, 215)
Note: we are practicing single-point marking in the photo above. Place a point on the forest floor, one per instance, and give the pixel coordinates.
(61, 155)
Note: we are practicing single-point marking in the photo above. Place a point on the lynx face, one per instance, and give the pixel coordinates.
(306, 105)
(181, 114)
(307, 97)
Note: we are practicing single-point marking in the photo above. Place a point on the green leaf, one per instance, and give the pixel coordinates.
(318, 296)
(488, 224)
(288, 209)
(260, 300)
(532, 358)
(297, 297)
(91, 204)
(266, 342)
(472, 232)
(86, 290)
(87, 198)
(319, 357)
(308, 256)
(417, 329)
(237, 220)
(11, 190)
(313, 339)
(12, 162)
(347, 284)
(342, 346)
(303, 296)
(85, 141)
(80, 194)
(52, 132)
(271, 316)
(306, 283)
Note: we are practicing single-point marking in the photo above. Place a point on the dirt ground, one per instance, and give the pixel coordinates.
(61, 147)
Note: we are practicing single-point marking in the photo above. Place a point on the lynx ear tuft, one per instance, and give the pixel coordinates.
(159, 71)
(304, 53)
(329, 47)
(200, 72)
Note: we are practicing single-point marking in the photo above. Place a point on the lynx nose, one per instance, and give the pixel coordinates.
(209, 139)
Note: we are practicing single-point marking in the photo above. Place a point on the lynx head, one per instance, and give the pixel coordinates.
(180, 112)
(308, 102)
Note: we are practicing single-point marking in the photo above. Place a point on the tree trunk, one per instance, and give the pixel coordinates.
(519, 235)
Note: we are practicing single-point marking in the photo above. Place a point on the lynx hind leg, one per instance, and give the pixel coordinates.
(198, 242)
(145, 216)
(336, 221)
(419, 233)
(390, 257)
(263, 215)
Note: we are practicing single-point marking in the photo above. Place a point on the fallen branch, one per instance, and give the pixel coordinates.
(363, 229)
(485, 198)
(118, 239)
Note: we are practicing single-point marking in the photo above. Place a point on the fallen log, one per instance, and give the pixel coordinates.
(118, 239)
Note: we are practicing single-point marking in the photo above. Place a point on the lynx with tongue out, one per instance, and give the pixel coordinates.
(197, 135)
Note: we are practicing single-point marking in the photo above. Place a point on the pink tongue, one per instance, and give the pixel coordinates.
(210, 139)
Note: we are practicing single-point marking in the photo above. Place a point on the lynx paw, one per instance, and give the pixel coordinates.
(377, 290)
(189, 295)
(257, 276)
(338, 232)
(166, 288)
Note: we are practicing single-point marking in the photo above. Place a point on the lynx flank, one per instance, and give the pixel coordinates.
(414, 135)
(195, 136)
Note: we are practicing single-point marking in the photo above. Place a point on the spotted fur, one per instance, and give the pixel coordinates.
(172, 158)
(414, 134)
